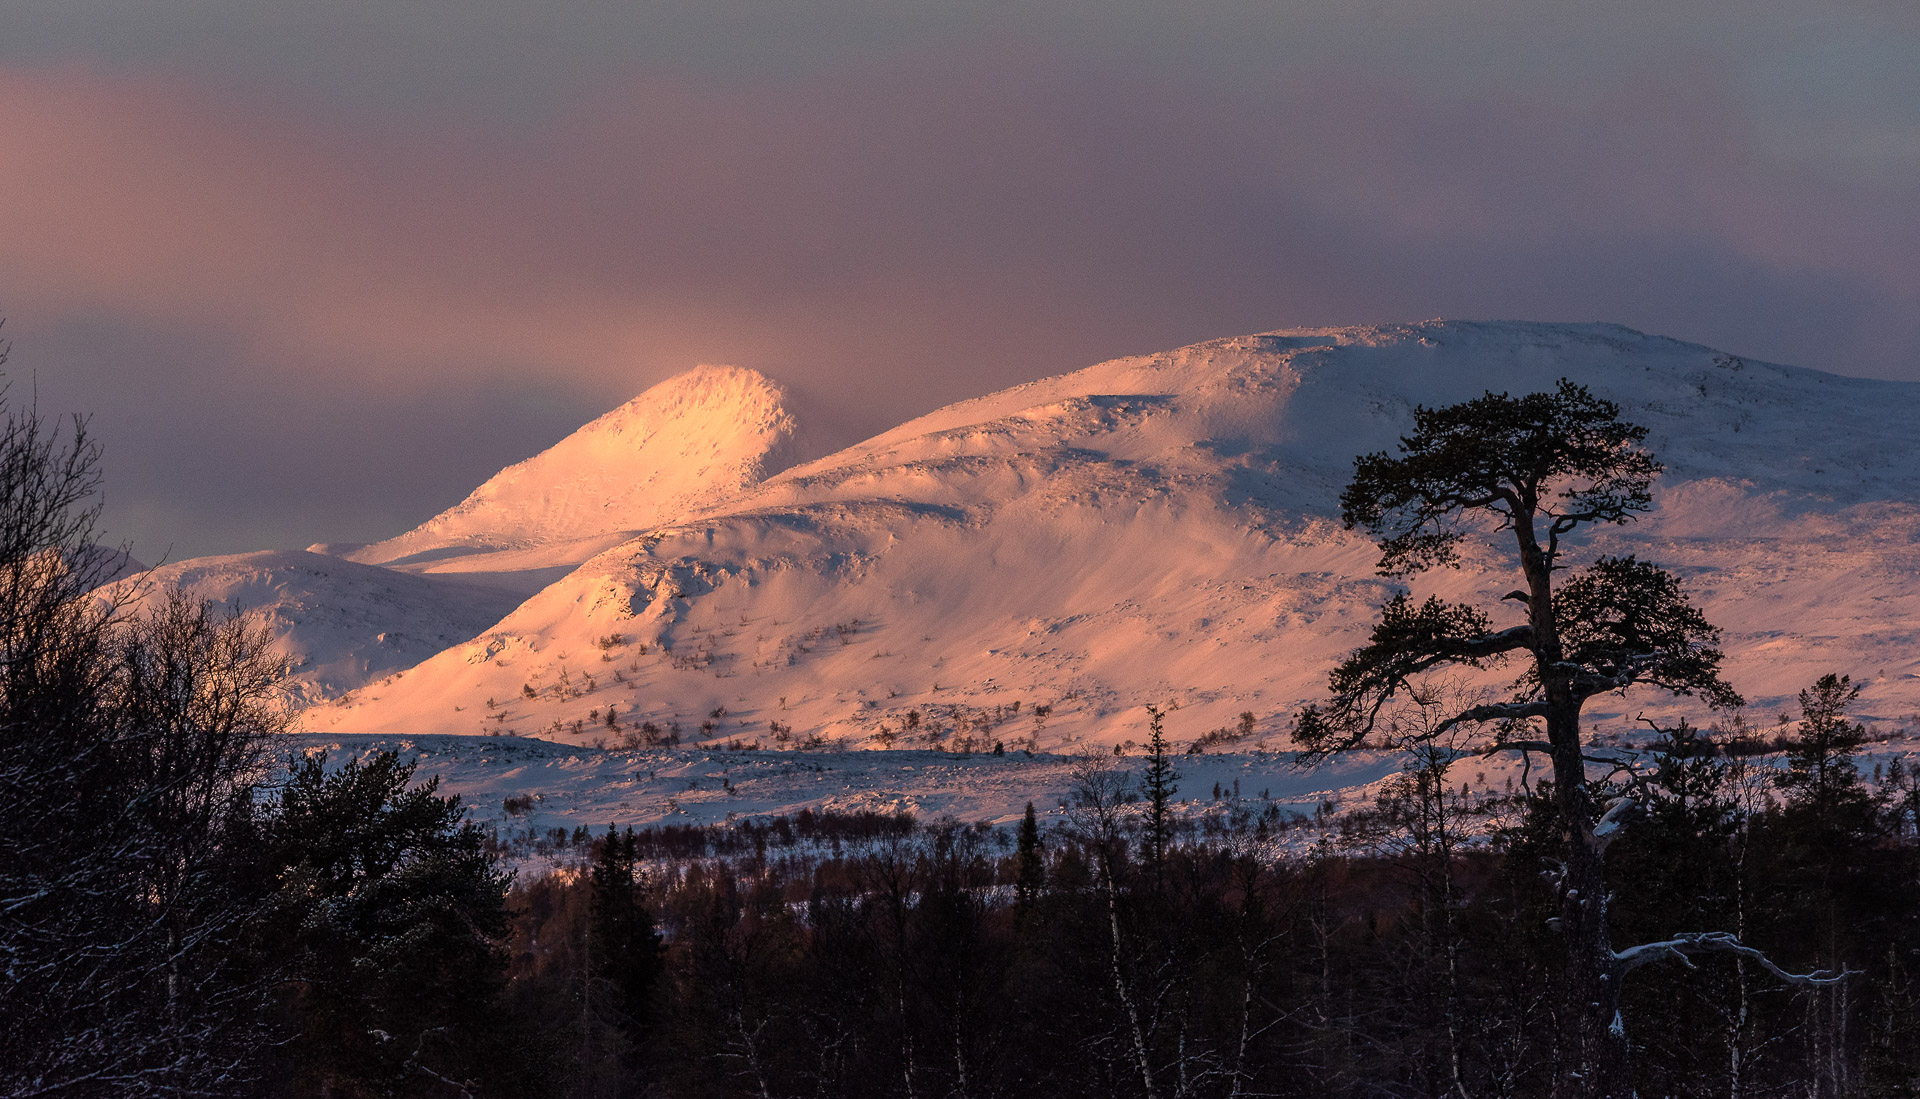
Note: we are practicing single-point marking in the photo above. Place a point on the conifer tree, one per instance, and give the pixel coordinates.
(1828, 867)
(1030, 870)
(1821, 782)
(392, 920)
(1542, 467)
(1159, 786)
(1678, 867)
(626, 943)
(1902, 790)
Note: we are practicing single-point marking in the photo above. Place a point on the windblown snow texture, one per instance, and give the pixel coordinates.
(1160, 529)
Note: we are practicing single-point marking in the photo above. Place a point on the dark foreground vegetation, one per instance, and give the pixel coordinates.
(346, 935)
(1403, 952)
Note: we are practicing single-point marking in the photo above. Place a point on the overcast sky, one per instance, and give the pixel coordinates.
(316, 269)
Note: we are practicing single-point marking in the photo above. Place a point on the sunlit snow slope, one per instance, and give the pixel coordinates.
(1163, 529)
(690, 443)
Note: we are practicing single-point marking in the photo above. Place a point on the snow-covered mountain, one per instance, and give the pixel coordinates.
(688, 444)
(1162, 529)
(340, 624)
(347, 616)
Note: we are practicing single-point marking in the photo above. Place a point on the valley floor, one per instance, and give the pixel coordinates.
(526, 787)
(569, 786)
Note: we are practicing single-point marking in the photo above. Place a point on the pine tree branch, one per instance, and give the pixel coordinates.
(1680, 947)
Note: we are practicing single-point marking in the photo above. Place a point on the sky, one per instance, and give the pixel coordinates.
(316, 269)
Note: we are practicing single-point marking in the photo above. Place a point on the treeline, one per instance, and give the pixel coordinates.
(350, 936)
(1408, 954)
(339, 931)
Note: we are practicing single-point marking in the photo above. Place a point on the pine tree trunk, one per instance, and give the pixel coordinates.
(1601, 1065)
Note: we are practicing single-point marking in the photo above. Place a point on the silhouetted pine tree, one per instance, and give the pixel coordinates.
(1159, 784)
(392, 924)
(1030, 869)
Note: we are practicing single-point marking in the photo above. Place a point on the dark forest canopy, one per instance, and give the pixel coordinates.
(1401, 948)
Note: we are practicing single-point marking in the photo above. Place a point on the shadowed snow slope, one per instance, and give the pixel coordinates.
(1163, 529)
(339, 624)
(687, 444)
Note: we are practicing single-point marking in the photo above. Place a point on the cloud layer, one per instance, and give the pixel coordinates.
(299, 323)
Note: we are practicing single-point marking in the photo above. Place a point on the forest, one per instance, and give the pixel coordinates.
(365, 942)
(1402, 949)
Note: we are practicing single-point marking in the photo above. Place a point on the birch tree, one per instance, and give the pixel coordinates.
(127, 742)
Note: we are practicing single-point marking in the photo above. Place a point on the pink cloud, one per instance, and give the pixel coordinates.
(944, 224)
(662, 222)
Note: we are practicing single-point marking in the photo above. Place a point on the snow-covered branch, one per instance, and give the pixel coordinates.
(1492, 711)
(1681, 946)
(1608, 827)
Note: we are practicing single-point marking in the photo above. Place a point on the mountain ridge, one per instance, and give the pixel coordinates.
(1162, 528)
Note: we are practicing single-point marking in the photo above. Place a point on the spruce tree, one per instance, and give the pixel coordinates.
(1824, 840)
(1677, 868)
(1030, 870)
(626, 944)
(1822, 783)
(1159, 786)
(1902, 791)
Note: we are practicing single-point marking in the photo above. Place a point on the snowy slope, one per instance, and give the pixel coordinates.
(340, 624)
(347, 616)
(111, 563)
(572, 785)
(1162, 529)
(689, 443)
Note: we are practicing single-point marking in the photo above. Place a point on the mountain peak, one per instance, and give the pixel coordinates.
(691, 442)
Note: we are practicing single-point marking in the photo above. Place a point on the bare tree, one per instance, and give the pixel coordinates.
(127, 739)
(1098, 814)
(1424, 821)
